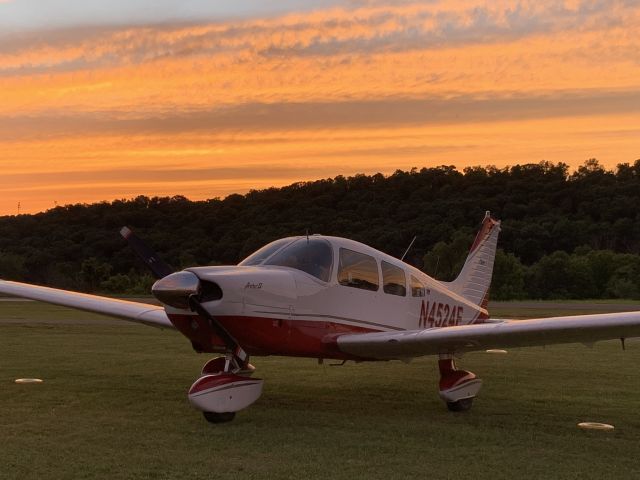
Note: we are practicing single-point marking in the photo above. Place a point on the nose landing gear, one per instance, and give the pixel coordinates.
(224, 388)
(217, 365)
(458, 388)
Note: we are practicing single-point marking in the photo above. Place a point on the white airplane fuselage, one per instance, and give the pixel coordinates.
(280, 310)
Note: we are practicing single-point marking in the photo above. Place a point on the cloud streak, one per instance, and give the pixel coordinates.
(288, 117)
(365, 30)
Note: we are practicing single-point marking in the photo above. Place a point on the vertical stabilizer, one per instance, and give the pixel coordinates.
(474, 280)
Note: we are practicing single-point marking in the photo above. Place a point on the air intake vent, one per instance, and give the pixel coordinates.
(209, 291)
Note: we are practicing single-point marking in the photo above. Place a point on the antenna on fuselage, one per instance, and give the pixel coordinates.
(408, 248)
(307, 235)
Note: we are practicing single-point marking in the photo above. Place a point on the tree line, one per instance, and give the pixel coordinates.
(564, 234)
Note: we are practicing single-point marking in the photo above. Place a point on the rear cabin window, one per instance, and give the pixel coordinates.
(311, 255)
(393, 280)
(358, 270)
(417, 287)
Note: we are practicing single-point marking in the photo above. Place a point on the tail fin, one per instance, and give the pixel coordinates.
(474, 280)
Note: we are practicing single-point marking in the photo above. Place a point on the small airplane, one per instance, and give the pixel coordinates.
(331, 298)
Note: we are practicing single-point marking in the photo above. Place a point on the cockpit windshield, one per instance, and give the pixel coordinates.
(311, 255)
(265, 252)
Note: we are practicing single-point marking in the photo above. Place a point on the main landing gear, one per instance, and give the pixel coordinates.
(458, 388)
(224, 388)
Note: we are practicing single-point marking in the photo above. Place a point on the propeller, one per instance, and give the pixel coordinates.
(151, 260)
(183, 290)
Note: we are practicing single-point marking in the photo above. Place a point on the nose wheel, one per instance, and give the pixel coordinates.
(214, 417)
(461, 405)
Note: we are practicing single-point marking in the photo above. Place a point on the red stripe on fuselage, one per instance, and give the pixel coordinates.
(269, 336)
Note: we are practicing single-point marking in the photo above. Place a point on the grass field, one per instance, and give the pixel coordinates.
(113, 405)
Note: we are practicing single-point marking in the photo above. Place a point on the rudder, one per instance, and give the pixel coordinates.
(474, 279)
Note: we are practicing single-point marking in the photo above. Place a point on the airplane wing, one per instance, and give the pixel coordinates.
(497, 334)
(132, 311)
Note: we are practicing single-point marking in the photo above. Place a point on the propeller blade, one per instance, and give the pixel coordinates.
(232, 345)
(155, 263)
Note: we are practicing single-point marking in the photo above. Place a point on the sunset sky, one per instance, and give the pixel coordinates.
(112, 99)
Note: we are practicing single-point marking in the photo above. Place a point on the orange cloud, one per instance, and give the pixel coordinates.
(375, 88)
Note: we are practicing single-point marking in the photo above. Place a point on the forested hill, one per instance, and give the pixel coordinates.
(564, 234)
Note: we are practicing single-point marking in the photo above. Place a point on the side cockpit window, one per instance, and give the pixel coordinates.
(357, 270)
(311, 255)
(393, 280)
(417, 287)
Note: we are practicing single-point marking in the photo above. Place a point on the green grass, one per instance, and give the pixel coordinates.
(552, 308)
(113, 405)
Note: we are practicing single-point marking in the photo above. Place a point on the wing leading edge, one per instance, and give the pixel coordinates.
(506, 334)
(132, 311)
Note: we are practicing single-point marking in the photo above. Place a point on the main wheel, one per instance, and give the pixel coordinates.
(214, 417)
(461, 405)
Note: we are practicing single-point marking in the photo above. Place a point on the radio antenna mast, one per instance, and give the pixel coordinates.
(408, 248)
